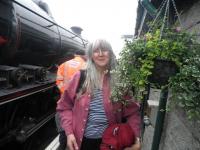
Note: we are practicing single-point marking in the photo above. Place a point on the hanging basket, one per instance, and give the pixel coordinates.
(162, 71)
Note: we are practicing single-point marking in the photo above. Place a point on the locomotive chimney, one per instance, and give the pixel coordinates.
(77, 30)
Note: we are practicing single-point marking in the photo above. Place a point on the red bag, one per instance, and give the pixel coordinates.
(117, 137)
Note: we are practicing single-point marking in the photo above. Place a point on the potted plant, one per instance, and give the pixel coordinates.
(137, 65)
(140, 60)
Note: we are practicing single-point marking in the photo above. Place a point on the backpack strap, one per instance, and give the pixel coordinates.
(81, 80)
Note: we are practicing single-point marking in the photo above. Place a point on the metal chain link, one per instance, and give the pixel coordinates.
(168, 15)
(176, 11)
(158, 14)
(164, 19)
(167, 4)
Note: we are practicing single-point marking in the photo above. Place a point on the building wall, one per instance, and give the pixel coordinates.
(178, 132)
(190, 19)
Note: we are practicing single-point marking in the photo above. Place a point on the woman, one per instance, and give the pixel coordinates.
(86, 114)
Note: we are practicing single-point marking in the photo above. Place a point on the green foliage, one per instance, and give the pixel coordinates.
(186, 87)
(136, 63)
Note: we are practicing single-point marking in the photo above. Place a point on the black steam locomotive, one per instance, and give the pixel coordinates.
(31, 45)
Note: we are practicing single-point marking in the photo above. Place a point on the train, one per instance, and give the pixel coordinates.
(32, 45)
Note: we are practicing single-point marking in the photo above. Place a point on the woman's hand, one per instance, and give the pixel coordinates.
(136, 146)
(71, 142)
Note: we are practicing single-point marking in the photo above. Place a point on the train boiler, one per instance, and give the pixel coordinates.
(32, 44)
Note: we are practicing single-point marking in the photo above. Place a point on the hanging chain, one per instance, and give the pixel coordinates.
(164, 18)
(176, 11)
(158, 14)
(168, 15)
(167, 4)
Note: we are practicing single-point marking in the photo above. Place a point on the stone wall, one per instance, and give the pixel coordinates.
(178, 132)
(190, 19)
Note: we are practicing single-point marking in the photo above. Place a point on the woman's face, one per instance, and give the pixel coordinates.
(101, 58)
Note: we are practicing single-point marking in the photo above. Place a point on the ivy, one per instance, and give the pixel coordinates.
(137, 61)
(186, 87)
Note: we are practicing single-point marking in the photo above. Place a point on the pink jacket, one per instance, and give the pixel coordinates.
(74, 112)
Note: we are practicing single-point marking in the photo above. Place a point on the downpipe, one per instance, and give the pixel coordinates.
(160, 118)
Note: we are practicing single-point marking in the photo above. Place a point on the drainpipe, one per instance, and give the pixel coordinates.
(160, 119)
